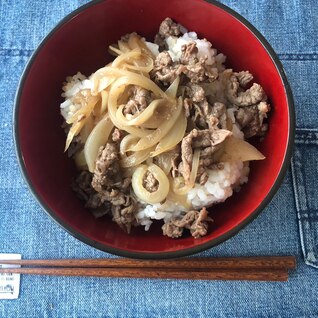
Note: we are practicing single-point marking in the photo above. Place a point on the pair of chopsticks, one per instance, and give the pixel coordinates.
(267, 268)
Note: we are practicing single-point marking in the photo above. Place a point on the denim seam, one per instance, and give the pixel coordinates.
(306, 136)
(299, 56)
(298, 179)
(301, 232)
(308, 215)
(307, 130)
(303, 213)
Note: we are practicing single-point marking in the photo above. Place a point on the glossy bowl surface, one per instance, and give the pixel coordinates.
(79, 43)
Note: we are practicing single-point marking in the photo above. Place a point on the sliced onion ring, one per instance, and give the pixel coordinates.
(143, 194)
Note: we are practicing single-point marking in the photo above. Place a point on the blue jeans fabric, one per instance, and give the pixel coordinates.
(289, 225)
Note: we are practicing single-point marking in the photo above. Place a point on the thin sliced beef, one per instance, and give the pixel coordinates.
(107, 171)
(195, 93)
(207, 163)
(150, 183)
(138, 100)
(196, 69)
(251, 119)
(202, 118)
(83, 188)
(112, 191)
(167, 28)
(124, 215)
(201, 114)
(195, 221)
(165, 70)
(208, 141)
(238, 95)
(192, 68)
(244, 78)
(102, 210)
(218, 111)
(205, 115)
(118, 135)
(82, 185)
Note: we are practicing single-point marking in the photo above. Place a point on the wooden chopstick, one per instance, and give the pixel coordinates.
(262, 262)
(167, 273)
(265, 268)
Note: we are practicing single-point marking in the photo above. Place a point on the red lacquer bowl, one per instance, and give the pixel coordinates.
(79, 43)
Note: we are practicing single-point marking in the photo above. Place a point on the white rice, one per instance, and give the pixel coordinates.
(218, 188)
(73, 85)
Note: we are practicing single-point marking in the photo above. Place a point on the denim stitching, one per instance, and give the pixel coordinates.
(299, 56)
(301, 221)
(306, 136)
(309, 215)
(306, 142)
(304, 215)
(298, 181)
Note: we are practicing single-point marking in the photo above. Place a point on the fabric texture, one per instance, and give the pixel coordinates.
(288, 226)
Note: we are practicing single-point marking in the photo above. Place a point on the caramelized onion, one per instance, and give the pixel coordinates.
(181, 186)
(80, 160)
(161, 131)
(97, 138)
(114, 51)
(135, 159)
(238, 149)
(126, 142)
(173, 88)
(175, 135)
(123, 46)
(142, 117)
(142, 193)
(104, 104)
(180, 199)
(87, 128)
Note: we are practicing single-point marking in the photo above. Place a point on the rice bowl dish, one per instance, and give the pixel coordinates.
(160, 133)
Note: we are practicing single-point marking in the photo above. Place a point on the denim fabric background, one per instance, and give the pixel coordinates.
(291, 27)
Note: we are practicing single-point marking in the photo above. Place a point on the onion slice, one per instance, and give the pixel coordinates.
(135, 159)
(161, 131)
(180, 199)
(173, 88)
(80, 160)
(142, 117)
(238, 149)
(116, 90)
(126, 143)
(188, 184)
(175, 135)
(104, 104)
(142, 193)
(97, 138)
(195, 167)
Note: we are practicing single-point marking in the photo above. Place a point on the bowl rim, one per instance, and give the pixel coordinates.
(187, 251)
